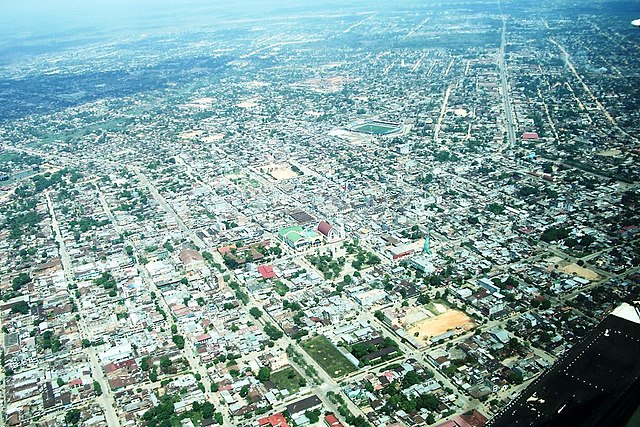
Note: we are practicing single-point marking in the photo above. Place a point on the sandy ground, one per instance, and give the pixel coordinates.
(200, 103)
(256, 84)
(192, 134)
(440, 324)
(283, 173)
(279, 172)
(554, 260)
(204, 101)
(213, 138)
(585, 273)
(441, 308)
(250, 103)
(610, 153)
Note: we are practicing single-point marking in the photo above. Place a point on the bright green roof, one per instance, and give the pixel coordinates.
(292, 234)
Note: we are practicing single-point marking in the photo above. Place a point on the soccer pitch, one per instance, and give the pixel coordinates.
(328, 357)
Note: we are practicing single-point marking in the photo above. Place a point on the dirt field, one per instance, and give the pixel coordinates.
(439, 308)
(585, 273)
(192, 134)
(610, 153)
(250, 103)
(279, 172)
(554, 260)
(213, 138)
(440, 324)
(201, 103)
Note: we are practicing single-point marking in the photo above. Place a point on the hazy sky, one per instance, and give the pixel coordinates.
(21, 19)
(43, 17)
(52, 16)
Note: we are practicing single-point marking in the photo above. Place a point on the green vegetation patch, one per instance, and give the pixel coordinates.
(375, 351)
(280, 288)
(376, 128)
(289, 379)
(328, 356)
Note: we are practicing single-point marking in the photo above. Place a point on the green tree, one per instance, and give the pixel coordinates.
(178, 340)
(264, 374)
(313, 416)
(72, 417)
(19, 281)
(423, 298)
(495, 208)
(554, 233)
(207, 409)
(21, 307)
(162, 414)
(272, 332)
(165, 363)
(358, 421)
(219, 418)
(244, 391)
(144, 363)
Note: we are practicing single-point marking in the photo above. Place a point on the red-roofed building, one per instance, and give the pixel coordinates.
(266, 271)
(275, 420)
(191, 259)
(474, 418)
(330, 232)
(469, 419)
(75, 382)
(128, 364)
(109, 368)
(203, 338)
(331, 421)
(530, 135)
(226, 249)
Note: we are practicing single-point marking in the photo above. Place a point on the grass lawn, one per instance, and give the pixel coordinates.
(287, 378)
(375, 129)
(328, 357)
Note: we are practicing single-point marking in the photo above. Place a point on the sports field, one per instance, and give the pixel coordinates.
(433, 319)
(585, 273)
(375, 128)
(447, 321)
(328, 357)
(279, 172)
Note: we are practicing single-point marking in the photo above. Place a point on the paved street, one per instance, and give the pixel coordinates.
(106, 400)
